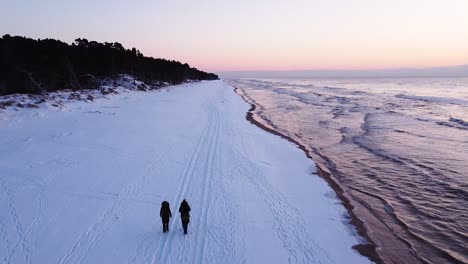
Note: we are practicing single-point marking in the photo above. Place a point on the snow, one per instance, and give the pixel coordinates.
(83, 183)
(123, 83)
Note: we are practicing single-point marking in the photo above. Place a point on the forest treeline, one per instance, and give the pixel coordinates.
(38, 66)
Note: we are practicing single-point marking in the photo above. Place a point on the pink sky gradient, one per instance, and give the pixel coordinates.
(260, 35)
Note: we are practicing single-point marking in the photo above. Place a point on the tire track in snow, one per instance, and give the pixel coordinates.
(148, 239)
(213, 202)
(208, 175)
(218, 235)
(189, 172)
(208, 198)
(198, 193)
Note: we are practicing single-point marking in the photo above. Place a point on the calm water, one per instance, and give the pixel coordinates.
(397, 146)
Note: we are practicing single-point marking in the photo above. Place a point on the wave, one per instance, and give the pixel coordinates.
(459, 121)
(454, 123)
(434, 99)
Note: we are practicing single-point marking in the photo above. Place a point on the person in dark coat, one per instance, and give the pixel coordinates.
(165, 214)
(184, 211)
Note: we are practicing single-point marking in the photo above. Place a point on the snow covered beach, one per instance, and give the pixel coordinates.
(84, 184)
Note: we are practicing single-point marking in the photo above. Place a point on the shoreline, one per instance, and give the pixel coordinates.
(232, 174)
(368, 250)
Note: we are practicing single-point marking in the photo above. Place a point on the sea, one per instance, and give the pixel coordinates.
(397, 147)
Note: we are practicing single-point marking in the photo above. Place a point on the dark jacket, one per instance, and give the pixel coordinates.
(165, 212)
(184, 211)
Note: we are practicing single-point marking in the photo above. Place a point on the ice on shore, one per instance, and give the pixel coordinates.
(84, 183)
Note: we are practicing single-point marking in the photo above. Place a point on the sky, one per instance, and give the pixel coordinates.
(242, 35)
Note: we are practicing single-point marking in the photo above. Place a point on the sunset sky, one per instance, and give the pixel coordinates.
(259, 35)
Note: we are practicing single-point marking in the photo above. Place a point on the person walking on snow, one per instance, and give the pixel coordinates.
(165, 214)
(184, 211)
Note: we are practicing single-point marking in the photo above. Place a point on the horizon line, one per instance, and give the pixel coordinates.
(348, 69)
(436, 71)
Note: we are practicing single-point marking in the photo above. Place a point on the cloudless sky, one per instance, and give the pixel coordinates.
(259, 35)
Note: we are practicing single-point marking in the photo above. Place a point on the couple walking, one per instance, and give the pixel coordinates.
(165, 214)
